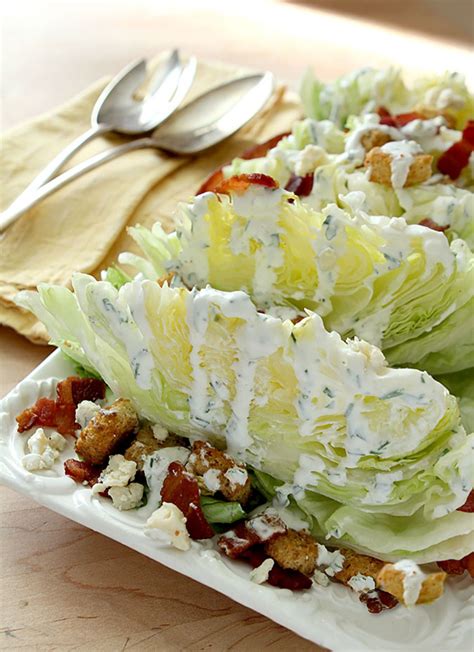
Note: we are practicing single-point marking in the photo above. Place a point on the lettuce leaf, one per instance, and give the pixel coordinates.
(221, 511)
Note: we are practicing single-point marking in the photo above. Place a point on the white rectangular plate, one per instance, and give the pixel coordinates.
(331, 616)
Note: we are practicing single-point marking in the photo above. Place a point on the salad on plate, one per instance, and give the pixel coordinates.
(288, 375)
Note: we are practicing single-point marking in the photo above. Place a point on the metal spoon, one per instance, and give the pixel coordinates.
(116, 110)
(204, 122)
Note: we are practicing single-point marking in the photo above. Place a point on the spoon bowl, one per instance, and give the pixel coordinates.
(215, 115)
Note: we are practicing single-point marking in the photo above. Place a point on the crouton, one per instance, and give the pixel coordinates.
(380, 163)
(355, 563)
(145, 443)
(374, 138)
(219, 472)
(107, 432)
(391, 579)
(294, 550)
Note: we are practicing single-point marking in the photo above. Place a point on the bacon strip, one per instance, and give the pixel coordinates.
(454, 159)
(458, 566)
(430, 224)
(241, 182)
(257, 151)
(399, 120)
(182, 489)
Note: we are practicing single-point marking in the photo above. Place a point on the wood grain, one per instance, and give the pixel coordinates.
(64, 587)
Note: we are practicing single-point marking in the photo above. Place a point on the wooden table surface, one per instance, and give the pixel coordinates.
(64, 587)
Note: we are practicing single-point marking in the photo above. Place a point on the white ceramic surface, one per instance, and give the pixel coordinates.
(332, 616)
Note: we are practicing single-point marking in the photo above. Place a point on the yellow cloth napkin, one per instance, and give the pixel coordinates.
(82, 227)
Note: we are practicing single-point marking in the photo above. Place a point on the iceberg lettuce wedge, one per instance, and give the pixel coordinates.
(401, 287)
(324, 416)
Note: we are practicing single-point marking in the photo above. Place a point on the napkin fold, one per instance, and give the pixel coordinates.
(83, 226)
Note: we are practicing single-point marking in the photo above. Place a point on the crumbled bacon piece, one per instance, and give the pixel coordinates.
(301, 186)
(458, 566)
(259, 529)
(283, 578)
(468, 563)
(378, 600)
(399, 120)
(241, 182)
(82, 471)
(297, 319)
(469, 504)
(236, 542)
(65, 420)
(49, 413)
(75, 390)
(454, 159)
(430, 224)
(257, 151)
(60, 413)
(181, 489)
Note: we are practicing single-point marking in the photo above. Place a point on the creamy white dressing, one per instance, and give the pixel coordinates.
(402, 155)
(413, 578)
(263, 527)
(381, 489)
(236, 476)
(258, 337)
(432, 135)
(212, 480)
(354, 149)
(308, 159)
(334, 379)
(193, 262)
(260, 208)
(115, 314)
(444, 98)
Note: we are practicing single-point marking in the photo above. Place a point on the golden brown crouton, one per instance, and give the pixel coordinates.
(374, 138)
(355, 563)
(110, 428)
(391, 579)
(219, 472)
(381, 168)
(145, 443)
(294, 549)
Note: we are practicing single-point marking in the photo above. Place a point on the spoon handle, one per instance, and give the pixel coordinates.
(49, 171)
(30, 199)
